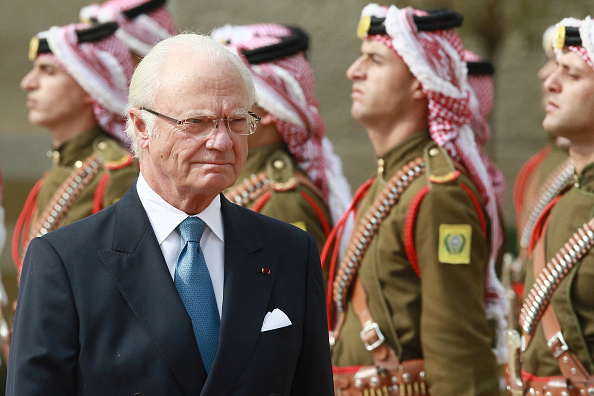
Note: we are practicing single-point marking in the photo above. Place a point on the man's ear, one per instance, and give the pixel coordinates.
(417, 90)
(266, 119)
(140, 129)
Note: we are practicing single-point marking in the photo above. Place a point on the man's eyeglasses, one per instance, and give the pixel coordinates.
(240, 124)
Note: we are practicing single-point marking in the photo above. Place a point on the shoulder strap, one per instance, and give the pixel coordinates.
(440, 167)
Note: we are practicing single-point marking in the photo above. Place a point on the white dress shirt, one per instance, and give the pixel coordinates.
(165, 218)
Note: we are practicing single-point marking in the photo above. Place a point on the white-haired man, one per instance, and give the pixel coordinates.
(556, 317)
(411, 297)
(180, 292)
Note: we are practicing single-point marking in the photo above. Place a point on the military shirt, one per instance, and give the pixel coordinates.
(535, 180)
(116, 166)
(288, 205)
(440, 316)
(573, 301)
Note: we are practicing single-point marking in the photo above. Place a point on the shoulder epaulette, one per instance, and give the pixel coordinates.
(440, 168)
(281, 174)
(112, 154)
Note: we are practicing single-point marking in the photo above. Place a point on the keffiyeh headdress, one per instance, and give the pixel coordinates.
(143, 23)
(99, 62)
(275, 55)
(577, 36)
(480, 79)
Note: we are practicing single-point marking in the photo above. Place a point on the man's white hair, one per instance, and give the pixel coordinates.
(147, 80)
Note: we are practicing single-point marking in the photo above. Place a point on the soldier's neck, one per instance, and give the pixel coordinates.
(67, 130)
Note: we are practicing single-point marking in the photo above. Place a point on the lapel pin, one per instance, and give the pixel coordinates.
(266, 271)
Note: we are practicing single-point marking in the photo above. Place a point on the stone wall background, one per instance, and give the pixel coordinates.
(516, 117)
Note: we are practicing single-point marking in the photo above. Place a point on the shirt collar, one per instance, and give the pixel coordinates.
(165, 218)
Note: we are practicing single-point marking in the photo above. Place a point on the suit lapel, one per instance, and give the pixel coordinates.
(138, 269)
(245, 298)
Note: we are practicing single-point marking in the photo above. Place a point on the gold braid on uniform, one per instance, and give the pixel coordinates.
(549, 190)
(546, 283)
(65, 195)
(366, 230)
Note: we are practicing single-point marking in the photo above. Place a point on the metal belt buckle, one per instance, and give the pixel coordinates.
(557, 344)
(372, 327)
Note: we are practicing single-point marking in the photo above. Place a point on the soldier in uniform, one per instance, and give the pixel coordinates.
(556, 317)
(412, 298)
(534, 178)
(540, 179)
(291, 173)
(142, 23)
(78, 90)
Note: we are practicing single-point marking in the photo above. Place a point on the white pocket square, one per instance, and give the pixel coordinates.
(275, 320)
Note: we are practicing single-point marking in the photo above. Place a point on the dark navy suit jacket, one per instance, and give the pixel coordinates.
(98, 312)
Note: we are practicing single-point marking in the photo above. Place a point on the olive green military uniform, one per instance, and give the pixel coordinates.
(77, 150)
(573, 301)
(287, 205)
(439, 317)
(551, 161)
(116, 164)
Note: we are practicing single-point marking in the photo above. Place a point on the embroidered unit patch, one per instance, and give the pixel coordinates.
(454, 243)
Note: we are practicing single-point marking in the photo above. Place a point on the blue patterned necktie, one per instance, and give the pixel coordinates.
(194, 285)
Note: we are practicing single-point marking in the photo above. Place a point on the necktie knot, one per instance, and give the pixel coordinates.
(191, 229)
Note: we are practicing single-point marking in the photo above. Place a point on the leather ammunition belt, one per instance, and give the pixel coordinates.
(555, 270)
(407, 379)
(549, 190)
(61, 202)
(249, 189)
(65, 195)
(369, 225)
(558, 387)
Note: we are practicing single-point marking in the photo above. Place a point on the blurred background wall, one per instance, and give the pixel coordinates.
(508, 32)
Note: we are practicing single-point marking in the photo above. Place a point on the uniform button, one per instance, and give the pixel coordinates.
(278, 164)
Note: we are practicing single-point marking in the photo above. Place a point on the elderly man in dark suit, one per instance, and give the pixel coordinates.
(174, 290)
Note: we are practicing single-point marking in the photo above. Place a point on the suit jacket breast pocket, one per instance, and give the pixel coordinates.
(283, 336)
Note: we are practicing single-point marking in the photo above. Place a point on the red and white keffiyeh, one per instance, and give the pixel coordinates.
(435, 58)
(481, 103)
(285, 88)
(140, 33)
(103, 68)
(586, 29)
